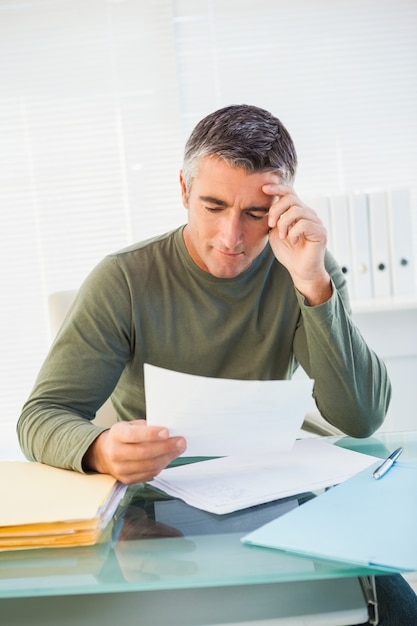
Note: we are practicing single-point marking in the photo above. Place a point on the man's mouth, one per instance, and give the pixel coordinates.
(230, 253)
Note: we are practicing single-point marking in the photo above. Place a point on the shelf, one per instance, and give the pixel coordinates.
(375, 305)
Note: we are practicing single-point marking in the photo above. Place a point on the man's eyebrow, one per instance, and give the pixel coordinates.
(212, 200)
(222, 203)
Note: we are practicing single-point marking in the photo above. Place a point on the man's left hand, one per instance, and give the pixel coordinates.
(298, 239)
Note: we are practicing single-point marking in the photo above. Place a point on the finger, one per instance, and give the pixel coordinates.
(289, 212)
(138, 431)
(142, 470)
(283, 218)
(281, 206)
(276, 189)
(290, 221)
(307, 229)
(133, 471)
(141, 451)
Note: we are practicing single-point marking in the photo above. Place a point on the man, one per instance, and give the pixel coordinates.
(244, 290)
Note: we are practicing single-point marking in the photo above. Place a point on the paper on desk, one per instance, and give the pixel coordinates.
(223, 417)
(233, 483)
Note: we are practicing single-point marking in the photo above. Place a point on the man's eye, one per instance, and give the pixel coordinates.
(213, 209)
(257, 216)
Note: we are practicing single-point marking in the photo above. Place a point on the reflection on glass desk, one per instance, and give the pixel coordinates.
(159, 543)
(163, 544)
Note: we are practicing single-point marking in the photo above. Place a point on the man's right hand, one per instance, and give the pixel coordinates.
(133, 452)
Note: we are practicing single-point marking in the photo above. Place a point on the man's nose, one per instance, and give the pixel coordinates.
(231, 231)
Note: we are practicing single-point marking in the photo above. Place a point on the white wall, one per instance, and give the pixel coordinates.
(393, 335)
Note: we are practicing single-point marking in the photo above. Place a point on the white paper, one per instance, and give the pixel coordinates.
(223, 417)
(231, 483)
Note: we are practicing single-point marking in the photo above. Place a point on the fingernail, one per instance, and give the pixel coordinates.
(163, 434)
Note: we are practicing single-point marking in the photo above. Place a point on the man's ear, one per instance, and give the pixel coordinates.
(183, 190)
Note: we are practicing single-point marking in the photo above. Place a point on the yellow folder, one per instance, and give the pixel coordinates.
(44, 506)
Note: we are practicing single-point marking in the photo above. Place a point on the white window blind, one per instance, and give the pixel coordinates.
(340, 74)
(90, 150)
(97, 99)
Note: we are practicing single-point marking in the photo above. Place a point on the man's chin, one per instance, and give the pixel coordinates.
(227, 271)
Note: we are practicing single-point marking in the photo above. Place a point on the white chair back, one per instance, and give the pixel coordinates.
(59, 303)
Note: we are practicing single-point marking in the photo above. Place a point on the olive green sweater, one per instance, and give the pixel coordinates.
(151, 303)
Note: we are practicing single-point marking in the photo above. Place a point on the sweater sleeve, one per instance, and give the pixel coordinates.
(80, 372)
(352, 388)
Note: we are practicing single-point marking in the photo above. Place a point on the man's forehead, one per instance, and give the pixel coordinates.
(273, 176)
(218, 167)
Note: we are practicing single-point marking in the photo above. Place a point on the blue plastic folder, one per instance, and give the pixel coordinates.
(362, 521)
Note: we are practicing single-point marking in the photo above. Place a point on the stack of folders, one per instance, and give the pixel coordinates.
(47, 507)
(371, 236)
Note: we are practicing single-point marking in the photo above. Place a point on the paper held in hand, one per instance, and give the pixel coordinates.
(225, 417)
(254, 426)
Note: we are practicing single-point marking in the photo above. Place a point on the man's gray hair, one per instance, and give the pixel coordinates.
(243, 136)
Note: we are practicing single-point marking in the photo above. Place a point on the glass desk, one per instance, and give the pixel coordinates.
(169, 558)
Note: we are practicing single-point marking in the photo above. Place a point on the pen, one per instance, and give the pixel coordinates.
(387, 464)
